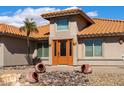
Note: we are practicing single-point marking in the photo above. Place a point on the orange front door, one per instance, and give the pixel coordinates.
(62, 52)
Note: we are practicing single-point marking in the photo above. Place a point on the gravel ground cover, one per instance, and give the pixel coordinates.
(106, 79)
(56, 78)
(67, 78)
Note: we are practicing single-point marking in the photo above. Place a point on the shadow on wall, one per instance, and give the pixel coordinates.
(17, 49)
(29, 60)
(108, 40)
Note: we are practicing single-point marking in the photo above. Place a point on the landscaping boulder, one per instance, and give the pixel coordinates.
(9, 78)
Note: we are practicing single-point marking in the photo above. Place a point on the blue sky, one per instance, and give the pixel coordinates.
(16, 14)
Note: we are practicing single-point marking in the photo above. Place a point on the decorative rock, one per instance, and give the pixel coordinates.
(56, 78)
(9, 78)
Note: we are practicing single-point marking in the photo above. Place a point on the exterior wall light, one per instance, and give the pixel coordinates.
(74, 42)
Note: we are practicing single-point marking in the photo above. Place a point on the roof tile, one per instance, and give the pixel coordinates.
(100, 27)
(62, 12)
(43, 31)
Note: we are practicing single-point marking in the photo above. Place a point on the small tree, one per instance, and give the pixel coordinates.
(29, 27)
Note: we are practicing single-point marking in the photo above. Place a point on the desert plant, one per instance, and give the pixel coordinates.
(29, 27)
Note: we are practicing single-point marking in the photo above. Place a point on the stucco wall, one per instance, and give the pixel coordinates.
(1, 52)
(112, 53)
(74, 25)
(69, 34)
(15, 51)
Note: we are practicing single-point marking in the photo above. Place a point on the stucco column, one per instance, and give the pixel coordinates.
(50, 51)
(1, 55)
(75, 52)
(80, 51)
(52, 29)
(73, 30)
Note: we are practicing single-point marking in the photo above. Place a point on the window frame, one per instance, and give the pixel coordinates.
(94, 49)
(43, 50)
(64, 29)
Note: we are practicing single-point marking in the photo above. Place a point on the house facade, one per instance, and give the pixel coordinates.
(71, 38)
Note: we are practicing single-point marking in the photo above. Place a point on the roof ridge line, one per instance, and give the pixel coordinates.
(43, 25)
(4, 24)
(107, 19)
(61, 11)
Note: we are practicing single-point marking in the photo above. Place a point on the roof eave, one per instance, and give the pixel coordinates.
(42, 38)
(67, 14)
(16, 36)
(59, 15)
(100, 35)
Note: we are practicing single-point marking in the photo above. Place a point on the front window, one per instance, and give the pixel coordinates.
(93, 48)
(62, 24)
(42, 49)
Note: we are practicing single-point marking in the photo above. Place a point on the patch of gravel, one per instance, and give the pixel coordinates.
(75, 78)
(56, 78)
(106, 79)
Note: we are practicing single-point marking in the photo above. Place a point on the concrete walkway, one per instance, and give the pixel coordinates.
(101, 69)
(96, 69)
(62, 68)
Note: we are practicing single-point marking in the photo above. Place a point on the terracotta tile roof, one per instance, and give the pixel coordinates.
(8, 29)
(43, 31)
(103, 27)
(76, 11)
(62, 12)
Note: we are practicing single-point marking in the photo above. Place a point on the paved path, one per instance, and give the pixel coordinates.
(104, 69)
(99, 69)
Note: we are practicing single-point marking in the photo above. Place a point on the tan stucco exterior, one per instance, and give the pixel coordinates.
(74, 26)
(1, 52)
(111, 55)
(14, 51)
(112, 50)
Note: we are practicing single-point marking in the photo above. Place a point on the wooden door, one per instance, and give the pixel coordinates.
(62, 52)
(55, 52)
